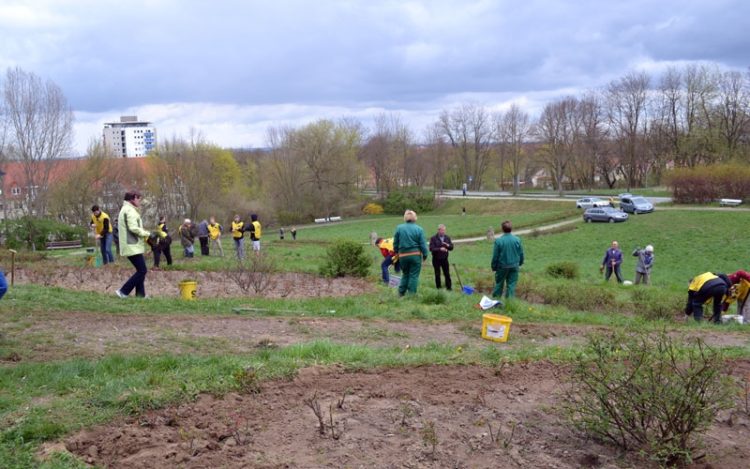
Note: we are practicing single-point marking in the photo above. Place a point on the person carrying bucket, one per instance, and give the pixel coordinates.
(507, 258)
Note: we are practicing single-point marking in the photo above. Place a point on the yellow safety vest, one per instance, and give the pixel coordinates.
(99, 222)
(699, 280)
(214, 230)
(256, 224)
(237, 229)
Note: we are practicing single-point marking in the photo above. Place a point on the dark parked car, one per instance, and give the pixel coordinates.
(607, 214)
(636, 204)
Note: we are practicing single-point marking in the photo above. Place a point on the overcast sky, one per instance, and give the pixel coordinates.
(231, 69)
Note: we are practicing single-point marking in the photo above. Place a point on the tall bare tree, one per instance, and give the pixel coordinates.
(626, 112)
(732, 109)
(40, 127)
(470, 131)
(558, 130)
(513, 128)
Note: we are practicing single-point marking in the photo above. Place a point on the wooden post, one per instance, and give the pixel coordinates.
(12, 266)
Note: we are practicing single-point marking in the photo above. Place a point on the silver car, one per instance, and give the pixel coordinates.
(588, 202)
(636, 204)
(607, 214)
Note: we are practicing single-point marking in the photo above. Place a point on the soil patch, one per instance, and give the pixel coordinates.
(165, 283)
(44, 336)
(482, 418)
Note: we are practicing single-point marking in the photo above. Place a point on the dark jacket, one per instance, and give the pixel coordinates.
(203, 229)
(436, 244)
(612, 256)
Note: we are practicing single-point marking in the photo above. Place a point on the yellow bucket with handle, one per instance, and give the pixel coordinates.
(188, 289)
(496, 327)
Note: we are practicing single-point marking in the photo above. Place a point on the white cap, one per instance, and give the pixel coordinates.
(187, 220)
(649, 248)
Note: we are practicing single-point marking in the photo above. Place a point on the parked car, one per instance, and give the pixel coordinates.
(636, 204)
(607, 214)
(588, 202)
(625, 195)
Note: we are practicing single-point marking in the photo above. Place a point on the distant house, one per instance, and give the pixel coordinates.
(16, 193)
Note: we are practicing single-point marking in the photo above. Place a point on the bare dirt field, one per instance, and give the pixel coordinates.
(476, 417)
(65, 335)
(165, 283)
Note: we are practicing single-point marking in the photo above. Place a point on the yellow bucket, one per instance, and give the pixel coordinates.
(188, 289)
(496, 327)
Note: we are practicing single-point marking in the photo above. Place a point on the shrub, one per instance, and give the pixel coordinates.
(38, 231)
(563, 269)
(655, 304)
(573, 295)
(399, 201)
(706, 184)
(640, 391)
(346, 258)
(373, 209)
(255, 272)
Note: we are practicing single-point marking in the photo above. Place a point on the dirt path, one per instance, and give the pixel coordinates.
(165, 283)
(63, 335)
(426, 417)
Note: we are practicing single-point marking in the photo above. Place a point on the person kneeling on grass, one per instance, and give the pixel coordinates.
(702, 289)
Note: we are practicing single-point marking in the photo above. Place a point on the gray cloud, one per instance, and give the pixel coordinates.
(351, 56)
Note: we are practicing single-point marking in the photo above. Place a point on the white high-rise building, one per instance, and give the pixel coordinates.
(129, 137)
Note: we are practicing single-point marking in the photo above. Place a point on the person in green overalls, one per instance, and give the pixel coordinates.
(409, 243)
(507, 258)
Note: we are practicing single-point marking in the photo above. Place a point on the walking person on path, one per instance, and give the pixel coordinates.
(133, 244)
(611, 262)
(507, 258)
(440, 246)
(409, 244)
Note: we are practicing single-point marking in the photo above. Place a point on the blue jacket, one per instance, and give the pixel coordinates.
(612, 254)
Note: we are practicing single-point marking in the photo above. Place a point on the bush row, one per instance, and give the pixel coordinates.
(706, 184)
(27, 231)
(398, 201)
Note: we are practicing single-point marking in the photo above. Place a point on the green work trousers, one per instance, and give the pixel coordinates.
(507, 276)
(411, 266)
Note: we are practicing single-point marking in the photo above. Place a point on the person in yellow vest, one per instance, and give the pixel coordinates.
(238, 233)
(103, 232)
(255, 232)
(214, 233)
(702, 289)
(389, 258)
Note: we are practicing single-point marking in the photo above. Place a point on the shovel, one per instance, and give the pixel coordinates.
(459, 277)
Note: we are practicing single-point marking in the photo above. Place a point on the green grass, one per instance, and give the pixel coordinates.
(43, 401)
(685, 243)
